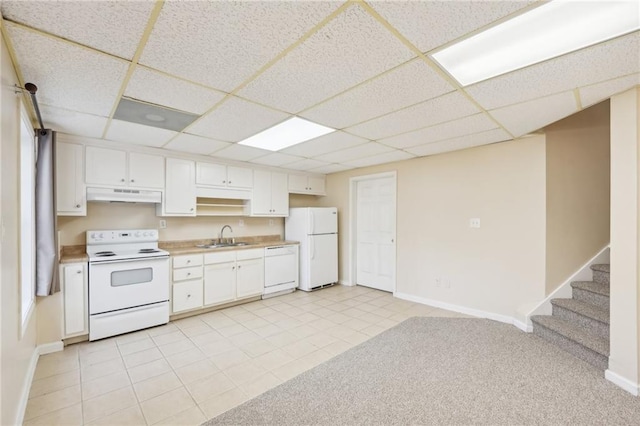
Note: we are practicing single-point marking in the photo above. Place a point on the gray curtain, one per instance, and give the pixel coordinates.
(46, 247)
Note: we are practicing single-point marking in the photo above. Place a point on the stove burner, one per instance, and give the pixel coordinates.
(149, 250)
(105, 253)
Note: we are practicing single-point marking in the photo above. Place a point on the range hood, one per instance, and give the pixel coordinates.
(123, 195)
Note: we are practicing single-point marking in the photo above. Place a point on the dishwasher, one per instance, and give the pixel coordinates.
(280, 270)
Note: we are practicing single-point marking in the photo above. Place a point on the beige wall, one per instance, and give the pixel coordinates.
(577, 191)
(495, 268)
(16, 351)
(625, 237)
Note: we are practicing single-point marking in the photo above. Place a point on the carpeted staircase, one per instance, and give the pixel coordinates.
(580, 325)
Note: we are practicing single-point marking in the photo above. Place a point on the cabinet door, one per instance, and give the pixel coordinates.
(211, 174)
(250, 278)
(71, 197)
(298, 184)
(74, 299)
(180, 188)
(106, 166)
(261, 196)
(186, 295)
(219, 283)
(146, 171)
(279, 194)
(239, 177)
(316, 185)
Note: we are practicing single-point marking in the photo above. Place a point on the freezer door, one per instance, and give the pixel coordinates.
(323, 259)
(323, 220)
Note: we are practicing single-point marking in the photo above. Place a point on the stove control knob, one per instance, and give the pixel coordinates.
(137, 235)
(93, 236)
(101, 235)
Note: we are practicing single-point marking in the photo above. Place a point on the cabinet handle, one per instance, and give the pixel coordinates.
(121, 180)
(78, 272)
(132, 180)
(188, 296)
(224, 181)
(188, 273)
(191, 209)
(233, 267)
(77, 206)
(189, 261)
(239, 266)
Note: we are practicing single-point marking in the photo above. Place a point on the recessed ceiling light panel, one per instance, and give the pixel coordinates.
(548, 31)
(153, 115)
(290, 132)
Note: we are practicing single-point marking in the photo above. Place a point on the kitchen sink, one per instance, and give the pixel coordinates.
(221, 245)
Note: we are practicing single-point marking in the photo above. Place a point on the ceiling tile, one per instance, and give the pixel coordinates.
(235, 120)
(428, 24)
(344, 155)
(350, 49)
(276, 159)
(177, 94)
(60, 71)
(529, 116)
(387, 157)
(138, 134)
(195, 144)
(72, 122)
(330, 168)
(110, 26)
(615, 58)
(469, 141)
(306, 164)
(404, 86)
(464, 126)
(445, 108)
(223, 43)
(325, 144)
(241, 153)
(599, 92)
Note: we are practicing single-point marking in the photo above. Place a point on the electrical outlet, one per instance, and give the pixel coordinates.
(438, 282)
(447, 283)
(474, 222)
(163, 224)
(270, 222)
(241, 222)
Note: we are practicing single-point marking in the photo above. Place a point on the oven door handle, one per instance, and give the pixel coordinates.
(138, 259)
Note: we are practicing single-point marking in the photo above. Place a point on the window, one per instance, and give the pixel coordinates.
(27, 219)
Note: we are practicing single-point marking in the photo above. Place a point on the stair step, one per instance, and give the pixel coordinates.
(582, 314)
(600, 273)
(573, 339)
(591, 292)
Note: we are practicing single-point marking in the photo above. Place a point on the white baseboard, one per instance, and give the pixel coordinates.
(457, 308)
(527, 328)
(345, 282)
(47, 348)
(626, 384)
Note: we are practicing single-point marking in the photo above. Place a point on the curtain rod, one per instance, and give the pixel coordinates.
(32, 89)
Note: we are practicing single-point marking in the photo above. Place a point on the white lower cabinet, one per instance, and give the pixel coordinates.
(233, 275)
(186, 276)
(74, 299)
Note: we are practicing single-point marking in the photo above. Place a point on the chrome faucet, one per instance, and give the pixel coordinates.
(222, 232)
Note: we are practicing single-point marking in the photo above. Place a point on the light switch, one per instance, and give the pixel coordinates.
(474, 222)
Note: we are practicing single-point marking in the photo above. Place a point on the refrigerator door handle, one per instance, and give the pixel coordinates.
(312, 247)
(311, 222)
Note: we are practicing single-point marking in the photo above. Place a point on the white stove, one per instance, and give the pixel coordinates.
(128, 281)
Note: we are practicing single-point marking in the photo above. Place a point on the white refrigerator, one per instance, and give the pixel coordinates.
(316, 228)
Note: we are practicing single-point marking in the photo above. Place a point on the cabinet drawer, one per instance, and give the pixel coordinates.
(189, 260)
(187, 295)
(250, 254)
(187, 273)
(222, 257)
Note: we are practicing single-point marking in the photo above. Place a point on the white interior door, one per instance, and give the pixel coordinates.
(376, 233)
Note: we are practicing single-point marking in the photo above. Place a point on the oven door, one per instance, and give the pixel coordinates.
(127, 283)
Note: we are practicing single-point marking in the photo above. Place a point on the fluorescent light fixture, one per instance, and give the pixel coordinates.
(548, 31)
(290, 132)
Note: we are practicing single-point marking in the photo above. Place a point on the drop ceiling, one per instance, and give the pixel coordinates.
(361, 67)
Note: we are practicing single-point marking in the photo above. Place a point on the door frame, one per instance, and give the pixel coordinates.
(353, 214)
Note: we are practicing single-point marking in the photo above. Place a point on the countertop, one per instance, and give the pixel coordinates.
(77, 253)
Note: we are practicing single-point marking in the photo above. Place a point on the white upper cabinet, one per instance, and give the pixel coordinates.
(180, 188)
(71, 195)
(224, 176)
(111, 167)
(306, 184)
(270, 194)
(146, 171)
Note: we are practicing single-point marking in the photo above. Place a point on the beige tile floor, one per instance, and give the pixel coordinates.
(193, 369)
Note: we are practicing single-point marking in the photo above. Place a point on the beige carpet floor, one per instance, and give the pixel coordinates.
(444, 371)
